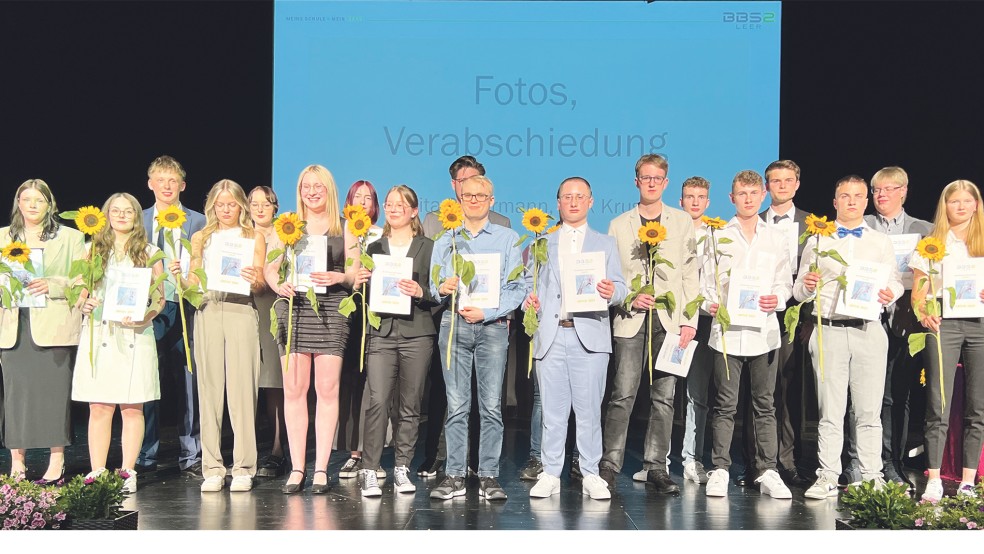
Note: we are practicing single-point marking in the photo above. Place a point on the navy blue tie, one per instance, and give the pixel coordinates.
(842, 232)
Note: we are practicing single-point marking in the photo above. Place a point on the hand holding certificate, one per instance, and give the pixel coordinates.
(483, 291)
(21, 297)
(580, 281)
(312, 256)
(228, 256)
(384, 285)
(860, 298)
(675, 360)
(125, 293)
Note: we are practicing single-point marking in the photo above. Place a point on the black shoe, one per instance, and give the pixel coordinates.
(45, 482)
(430, 468)
(851, 475)
(289, 488)
(194, 469)
(321, 489)
(661, 480)
(792, 478)
(608, 474)
(742, 480)
(272, 466)
(575, 472)
(532, 470)
(490, 489)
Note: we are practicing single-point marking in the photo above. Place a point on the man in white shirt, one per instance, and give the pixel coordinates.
(745, 249)
(855, 350)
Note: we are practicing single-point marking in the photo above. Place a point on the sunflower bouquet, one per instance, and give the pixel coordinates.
(172, 218)
(452, 219)
(818, 227)
(535, 221)
(651, 235)
(19, 254)
(290, 230)
(88, 271)
(933, 250)
(359, 224)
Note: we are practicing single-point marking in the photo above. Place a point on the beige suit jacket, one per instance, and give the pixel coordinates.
(57, 324)
(679, 247)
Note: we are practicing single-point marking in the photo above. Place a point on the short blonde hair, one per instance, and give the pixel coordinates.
(652, 159)
(168, 164)
(483, 180)
(892, 174)
(747, 177)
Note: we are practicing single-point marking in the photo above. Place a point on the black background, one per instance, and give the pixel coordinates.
(91, 92)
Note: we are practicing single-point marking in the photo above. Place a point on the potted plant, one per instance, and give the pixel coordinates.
(96, 502)
(891, 507)
(27, 505)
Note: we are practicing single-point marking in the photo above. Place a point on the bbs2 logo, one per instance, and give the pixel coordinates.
(749, 17)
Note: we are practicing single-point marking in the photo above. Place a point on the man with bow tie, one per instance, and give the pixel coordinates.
(854, 350)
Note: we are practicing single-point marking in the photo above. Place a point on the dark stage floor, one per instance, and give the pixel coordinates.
(172, 500)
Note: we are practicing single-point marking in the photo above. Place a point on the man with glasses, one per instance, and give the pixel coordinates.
(480, 340)
(631, 331)
(889, 187)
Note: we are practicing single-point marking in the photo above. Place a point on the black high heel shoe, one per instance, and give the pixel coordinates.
(44, 481)
(321, 489)
(294, 488)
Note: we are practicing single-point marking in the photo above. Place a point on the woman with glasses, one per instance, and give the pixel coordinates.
(399, 352)
(37, 343)
(124, 354)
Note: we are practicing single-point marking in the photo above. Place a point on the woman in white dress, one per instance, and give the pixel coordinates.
(125, 352)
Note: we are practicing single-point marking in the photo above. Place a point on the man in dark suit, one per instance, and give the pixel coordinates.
(166, 178)
(889, 187)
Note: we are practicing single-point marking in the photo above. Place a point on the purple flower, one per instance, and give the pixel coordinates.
(919, 522)
(963, 520)
(60, 516)
(972, 525)
(124, 474)
(90, 481)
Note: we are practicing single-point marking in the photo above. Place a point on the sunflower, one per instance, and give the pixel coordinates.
(714, 222)
(450, 215)
(535, 220)
(359, 224)
(90, 220)
(16, 252)
(289, 228)
(172, 217)
(349, 211)
(554, 229)
(922, 377)
(932, 249)
(819, 226)
(652, 233)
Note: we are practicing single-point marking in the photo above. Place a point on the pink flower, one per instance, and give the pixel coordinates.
(124, 474)
(919, 522)
(963, 520)
(972, 525)
(90, 481)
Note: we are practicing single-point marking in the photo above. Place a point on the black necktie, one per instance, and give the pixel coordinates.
(778, 218)
(160, 238)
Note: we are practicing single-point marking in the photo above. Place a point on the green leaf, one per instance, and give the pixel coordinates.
(723, 318)
(185, 243)
(274, 254)
(933, 307)
(346, 306)
(29, 266)
(516, 272)
(917, 341)
(660, 260)
(467, 273)
(366, 261)
(835, 256)
(436, 273)
(313, 300)
(373, 318)
(437, 236)
(666, 302)
(521, 240)
(158, 256)
(952, 291)
(701, 239)
(530, 322)
(791, 320)
(539, 250)
(78, 268)
(194, 297)
(804, 236)
(69, 216)
(157, 282)
(202, 278)
(691, 308)
(842, 279)
(647, 289)
(636, 282)
(273, 317)
(349, 262)
(97, 268)
(72, 294)
(724, 240)
(463, 235)
(6, 300)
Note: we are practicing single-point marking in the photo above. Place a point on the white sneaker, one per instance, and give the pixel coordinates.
(401, 479)
(593, 486)
(370, 486)
(214, 483)
(934, 490)
(241, 483)
(966, 489)
(547, 485)
(717, 482)
(694, 471)
(640, 476)
(130, 483)
(96, 473)
(771, 484)
(823, 488)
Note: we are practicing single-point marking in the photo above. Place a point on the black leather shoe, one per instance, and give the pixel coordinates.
(661, 480)
(575, 472)
(608, 474)
(321, 489)
(272, 466)
(792, 478)
(742, 480)
(294, 488)
(194, 469)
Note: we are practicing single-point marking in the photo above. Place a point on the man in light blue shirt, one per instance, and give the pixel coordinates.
(481, 339)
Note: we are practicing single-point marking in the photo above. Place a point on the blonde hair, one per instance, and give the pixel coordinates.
(652, 159)
(975, 232)
(410, 199)
(747, 177)
(212, 222)
(166, 164)
(104, 241)
(331, 198)
(482, 180)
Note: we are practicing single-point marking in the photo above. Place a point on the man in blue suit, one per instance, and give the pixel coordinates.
(572, 347)
(166, 178)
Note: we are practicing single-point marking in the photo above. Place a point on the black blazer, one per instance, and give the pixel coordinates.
(420, 322)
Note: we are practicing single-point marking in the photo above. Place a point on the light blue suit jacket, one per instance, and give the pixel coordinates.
(593, 328)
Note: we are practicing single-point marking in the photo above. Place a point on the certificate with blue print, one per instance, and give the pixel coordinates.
(384, 290)
(675, 360)
(483, 290)
(125, 293)
(579, 282)
(227, 256)
(860, 297)
(963, 279)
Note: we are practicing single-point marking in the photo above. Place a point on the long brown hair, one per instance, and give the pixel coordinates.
(49, 226)
(103, 242)
(975, 231)
(410, 199)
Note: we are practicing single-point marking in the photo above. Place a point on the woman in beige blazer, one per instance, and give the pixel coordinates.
(37, 344)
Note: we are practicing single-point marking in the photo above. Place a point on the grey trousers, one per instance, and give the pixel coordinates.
(399, 366)
(966, 336)
(762, 378)
(631, 358)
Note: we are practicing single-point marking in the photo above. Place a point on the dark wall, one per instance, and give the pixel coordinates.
(92, 91)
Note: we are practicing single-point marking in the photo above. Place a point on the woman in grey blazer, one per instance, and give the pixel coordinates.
(400, 350)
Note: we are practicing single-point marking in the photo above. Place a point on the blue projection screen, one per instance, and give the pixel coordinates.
(393, 92)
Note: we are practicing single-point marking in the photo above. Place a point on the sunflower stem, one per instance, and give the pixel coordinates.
(649, 319)
(289, 250)
(454, 298)
(939, 339)
(536, 267)
(717, 282)
(362, 352)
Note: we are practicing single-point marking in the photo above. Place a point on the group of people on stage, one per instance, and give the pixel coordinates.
(667, 276)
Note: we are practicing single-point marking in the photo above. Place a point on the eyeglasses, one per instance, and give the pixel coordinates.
(469, 197)
(566, 198)
(646, 179)
(397, 207)
(116, 212)
(318, 187)
(257, 205)
(886, 190)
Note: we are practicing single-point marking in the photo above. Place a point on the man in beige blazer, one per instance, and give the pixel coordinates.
(630, 331)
